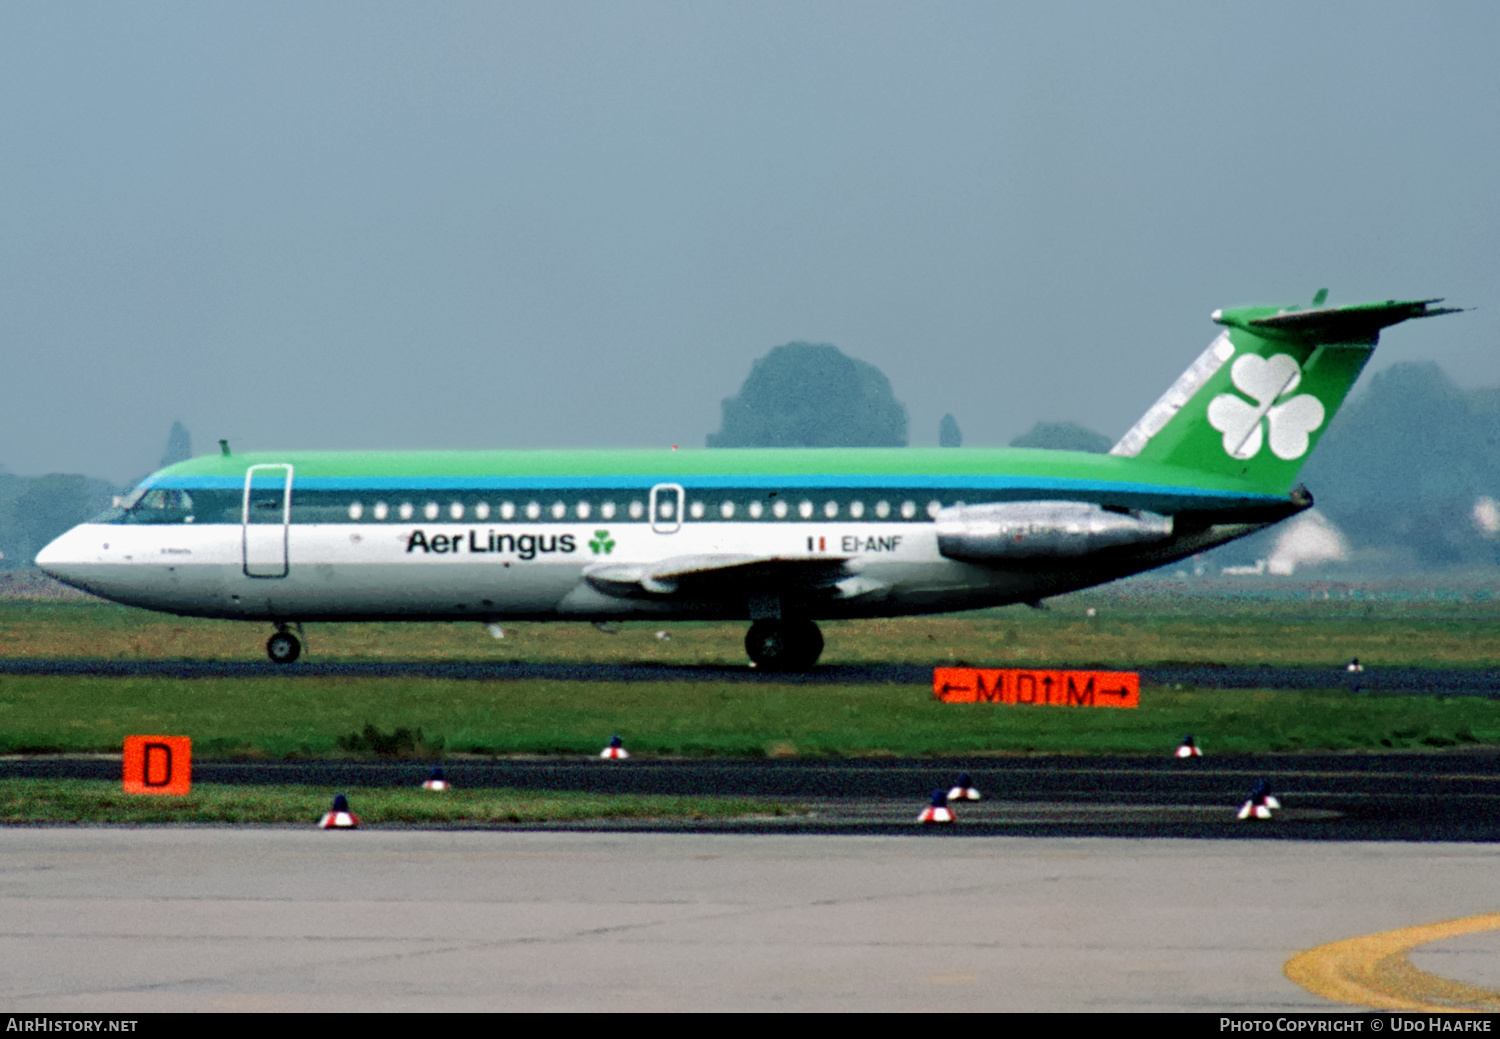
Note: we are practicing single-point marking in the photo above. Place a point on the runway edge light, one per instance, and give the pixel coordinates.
(615, 751)
(340, 818)
(158, 764)
(1189, 748)
(436, 781)
(964, 790)
(1261, 804)
(938, 811)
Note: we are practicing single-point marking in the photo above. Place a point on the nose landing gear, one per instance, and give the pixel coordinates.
(784, 645)
(283, 647)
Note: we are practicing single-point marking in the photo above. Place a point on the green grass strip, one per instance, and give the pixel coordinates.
(1128, 628)
(100, 802)
(273, 718)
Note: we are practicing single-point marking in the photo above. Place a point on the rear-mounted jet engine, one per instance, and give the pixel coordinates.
(1042, 530)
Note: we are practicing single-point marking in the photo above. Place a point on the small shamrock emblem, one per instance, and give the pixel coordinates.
(601, 543)
(1288, 420)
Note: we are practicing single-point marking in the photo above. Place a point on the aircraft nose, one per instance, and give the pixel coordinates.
(61, 557)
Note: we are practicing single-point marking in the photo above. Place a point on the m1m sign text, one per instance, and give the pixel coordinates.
(1024, 687)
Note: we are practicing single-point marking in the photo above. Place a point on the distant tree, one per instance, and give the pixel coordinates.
(11, 547)
(44, 507)
(1064, 436)
(949, 434)
(812, 395)
(179, 446)
(1402, 465)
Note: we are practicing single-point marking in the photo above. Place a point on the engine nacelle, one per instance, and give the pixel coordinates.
(1005, 531)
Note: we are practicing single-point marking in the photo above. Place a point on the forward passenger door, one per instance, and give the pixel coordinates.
(267, 519)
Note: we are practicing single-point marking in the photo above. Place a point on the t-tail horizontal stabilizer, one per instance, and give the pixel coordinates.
(1360, 323)
(1254, 404)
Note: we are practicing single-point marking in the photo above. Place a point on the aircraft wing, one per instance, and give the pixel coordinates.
(724, 576)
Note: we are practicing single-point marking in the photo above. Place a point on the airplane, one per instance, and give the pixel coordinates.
(780, 538)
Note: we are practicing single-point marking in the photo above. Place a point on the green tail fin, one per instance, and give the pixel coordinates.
(1255, 403)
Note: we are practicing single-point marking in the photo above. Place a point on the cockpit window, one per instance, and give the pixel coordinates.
(155, 505)
(133, 498)
(164, 498)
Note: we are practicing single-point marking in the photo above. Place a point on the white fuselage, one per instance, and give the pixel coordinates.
(451, 570)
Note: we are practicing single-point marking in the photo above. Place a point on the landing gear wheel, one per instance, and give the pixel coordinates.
(283, 648)
(784, 645)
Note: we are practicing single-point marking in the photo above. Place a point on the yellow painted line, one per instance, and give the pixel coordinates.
(1373, 971)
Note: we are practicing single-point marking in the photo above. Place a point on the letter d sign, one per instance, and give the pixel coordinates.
(158, 764)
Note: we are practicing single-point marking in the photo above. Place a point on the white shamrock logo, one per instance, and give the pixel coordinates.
(1269, 382)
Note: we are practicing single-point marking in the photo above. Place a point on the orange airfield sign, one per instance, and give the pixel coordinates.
(158, 764)
(1044, 688)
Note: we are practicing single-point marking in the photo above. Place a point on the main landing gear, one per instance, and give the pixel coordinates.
(783, 645)
(283, 647)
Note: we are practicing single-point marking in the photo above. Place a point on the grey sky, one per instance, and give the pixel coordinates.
(549, 224)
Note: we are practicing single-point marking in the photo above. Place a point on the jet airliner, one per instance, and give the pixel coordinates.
(779, 538)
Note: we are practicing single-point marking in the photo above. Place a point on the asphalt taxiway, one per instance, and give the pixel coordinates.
(224, 919)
